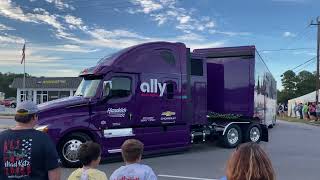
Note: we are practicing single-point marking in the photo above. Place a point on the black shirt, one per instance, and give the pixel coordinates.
(26, 154)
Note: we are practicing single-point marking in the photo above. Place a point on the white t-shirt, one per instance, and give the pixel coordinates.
(134, 172)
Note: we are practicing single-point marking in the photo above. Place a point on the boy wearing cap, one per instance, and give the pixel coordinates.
(25, 152)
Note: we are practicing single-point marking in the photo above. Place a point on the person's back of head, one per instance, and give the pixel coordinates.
(26, 112)
(132, 150)
(90, 154)
(249, 162)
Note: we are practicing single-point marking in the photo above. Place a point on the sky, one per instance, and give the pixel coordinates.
(65, 36)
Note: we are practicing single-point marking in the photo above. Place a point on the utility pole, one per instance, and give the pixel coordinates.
(318, 47)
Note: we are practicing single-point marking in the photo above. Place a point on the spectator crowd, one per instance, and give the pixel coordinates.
(30, 154)
(309, 111)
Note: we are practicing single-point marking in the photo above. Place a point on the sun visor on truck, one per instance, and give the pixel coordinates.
(244, 51)
(87, 71)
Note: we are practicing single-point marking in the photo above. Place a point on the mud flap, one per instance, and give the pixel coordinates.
(265, 133)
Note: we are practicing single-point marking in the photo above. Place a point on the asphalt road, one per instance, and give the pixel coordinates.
(294, 149)
(6, 122)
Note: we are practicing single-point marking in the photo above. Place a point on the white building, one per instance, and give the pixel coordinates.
(2, 95)
(40, 90)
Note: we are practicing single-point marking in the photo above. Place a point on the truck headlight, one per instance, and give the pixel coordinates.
(43, 128)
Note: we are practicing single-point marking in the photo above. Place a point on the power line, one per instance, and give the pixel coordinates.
(287, 49)
(304, 63)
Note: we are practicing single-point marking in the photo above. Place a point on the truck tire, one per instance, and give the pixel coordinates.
(232, 137)
(13, 105)
(253, 133)
(68, 149)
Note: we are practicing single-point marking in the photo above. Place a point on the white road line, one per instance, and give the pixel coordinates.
(184, 177)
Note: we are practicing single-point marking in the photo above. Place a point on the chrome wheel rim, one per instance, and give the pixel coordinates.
(233, 136)
(254, 134)
(70, 150)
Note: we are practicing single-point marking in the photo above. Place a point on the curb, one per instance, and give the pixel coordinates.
(6, 117)
(314, 124)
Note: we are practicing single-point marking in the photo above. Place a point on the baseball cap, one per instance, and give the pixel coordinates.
(27, 106)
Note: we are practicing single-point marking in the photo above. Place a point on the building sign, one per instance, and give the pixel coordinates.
(52, 82)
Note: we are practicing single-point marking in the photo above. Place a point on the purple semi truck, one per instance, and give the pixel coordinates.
(167, 97)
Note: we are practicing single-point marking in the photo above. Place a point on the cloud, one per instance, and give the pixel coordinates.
(73, 21)
(308, 53)
(41, 16)
(200, 45)
(5, 28)
(64, 72)
(183, 19)
(118, 33)
(289, 34)
(8, 10)
(60, 4)
(13, 57)
(230, 33)
(64, 48)
(8, 39)
(190, 37)
(148, 6)
(165, 11)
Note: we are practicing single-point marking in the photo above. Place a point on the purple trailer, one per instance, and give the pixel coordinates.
(167, 97)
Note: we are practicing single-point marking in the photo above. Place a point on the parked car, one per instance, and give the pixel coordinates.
(9, 102)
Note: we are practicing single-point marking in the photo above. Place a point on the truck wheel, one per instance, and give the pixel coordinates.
(253, 133)
(68, 149)
(232, 137)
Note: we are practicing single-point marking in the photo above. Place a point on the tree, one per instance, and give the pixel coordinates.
(305, 83)
(296, 85)
(282, 96)
(289, 81)
(6, 79)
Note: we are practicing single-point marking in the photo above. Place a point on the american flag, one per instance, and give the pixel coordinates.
(23, 53)
(26, 147)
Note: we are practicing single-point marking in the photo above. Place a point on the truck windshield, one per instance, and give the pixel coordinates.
(88, 87)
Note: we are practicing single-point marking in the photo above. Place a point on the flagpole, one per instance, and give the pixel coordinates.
(24, 76)
(24, 80)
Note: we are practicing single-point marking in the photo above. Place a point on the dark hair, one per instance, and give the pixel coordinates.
(89, 152)
(250, 162)
(132, 150)
(22, 116)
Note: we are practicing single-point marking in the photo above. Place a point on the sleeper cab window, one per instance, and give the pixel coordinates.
(196, 67)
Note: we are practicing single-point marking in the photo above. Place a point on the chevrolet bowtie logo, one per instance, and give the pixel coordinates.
(168, 113)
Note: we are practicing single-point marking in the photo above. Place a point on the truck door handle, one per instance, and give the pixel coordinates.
(130, 116)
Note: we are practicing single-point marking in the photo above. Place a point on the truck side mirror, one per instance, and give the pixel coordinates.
(107, 86)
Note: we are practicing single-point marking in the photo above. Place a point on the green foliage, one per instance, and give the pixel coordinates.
(6, 80)
(305, 83)
(295, 85)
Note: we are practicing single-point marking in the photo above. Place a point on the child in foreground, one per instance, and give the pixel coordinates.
(90, 156)
(132, 150)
